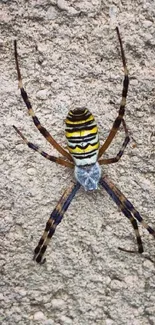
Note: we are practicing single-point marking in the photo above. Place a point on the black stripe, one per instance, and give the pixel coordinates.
(35, 120)
(83, 147)
(79, 111)
(75, 118)
(125, 86)
(79, 155)
(83, 138)
(81, 124)
(86, 156)
(117, 122)
(25, 98)
(80, 128)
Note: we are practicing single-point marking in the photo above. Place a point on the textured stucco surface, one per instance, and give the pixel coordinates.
(69, 56)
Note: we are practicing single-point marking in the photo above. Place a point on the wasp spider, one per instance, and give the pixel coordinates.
(84, 155)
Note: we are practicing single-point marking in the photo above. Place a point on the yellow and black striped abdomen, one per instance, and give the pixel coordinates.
(82, 136)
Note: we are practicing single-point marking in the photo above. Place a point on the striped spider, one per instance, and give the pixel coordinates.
(84, 156)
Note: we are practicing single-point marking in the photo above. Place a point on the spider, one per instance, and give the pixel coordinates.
(84, 156)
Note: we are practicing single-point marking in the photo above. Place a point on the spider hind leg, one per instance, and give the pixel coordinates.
(128, 210)
(55, 218)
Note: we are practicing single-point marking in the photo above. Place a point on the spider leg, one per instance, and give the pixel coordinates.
(41, 129)
(127, 209)
(34, 147)
(120, 153)
(55, 218)
(121, 112)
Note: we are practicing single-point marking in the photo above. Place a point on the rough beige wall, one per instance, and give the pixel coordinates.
(69, 56)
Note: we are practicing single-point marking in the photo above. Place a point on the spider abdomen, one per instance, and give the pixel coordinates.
(82, 136)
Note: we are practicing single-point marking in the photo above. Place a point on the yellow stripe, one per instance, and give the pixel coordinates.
(82, 150)
(123, 101)
(81, 133)
(91, 118)
(31, 112)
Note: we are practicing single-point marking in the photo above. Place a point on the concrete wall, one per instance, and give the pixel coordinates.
(69, 56)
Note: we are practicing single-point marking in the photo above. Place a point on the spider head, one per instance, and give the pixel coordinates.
(88, 176)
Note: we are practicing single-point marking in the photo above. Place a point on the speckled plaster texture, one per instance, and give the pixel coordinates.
(69, 57)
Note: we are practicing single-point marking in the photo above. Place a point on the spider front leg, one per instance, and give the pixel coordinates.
(26, 100)
(121, 112)
(34, 147)
(54, 220)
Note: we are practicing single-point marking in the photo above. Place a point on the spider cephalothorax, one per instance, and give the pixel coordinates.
(84, 155)
(88, 176)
